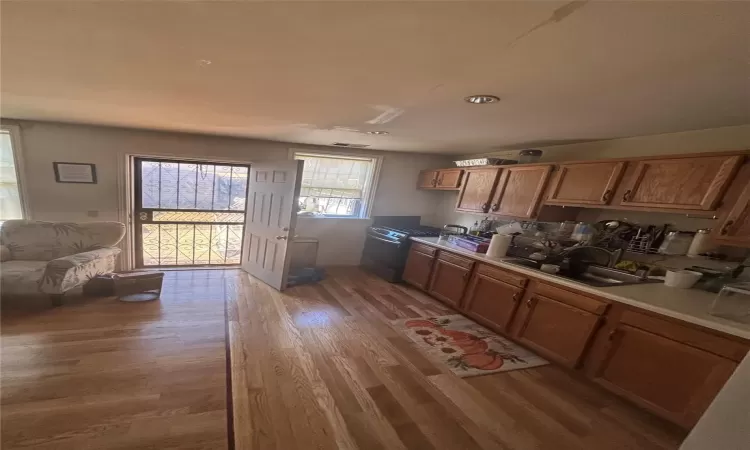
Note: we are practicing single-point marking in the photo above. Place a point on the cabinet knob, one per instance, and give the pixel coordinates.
(529, 302)
(607, 195)
(612, 334)
(517, 296)
(626, 196)
(725, 228)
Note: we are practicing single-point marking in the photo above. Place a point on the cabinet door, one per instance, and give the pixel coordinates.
(476, 191)
(670, 378)
(556, 330)
(492, 301)
(449, 282)
(449, 179)
(681, 183)
(427, 179)
(418, 268)
(519, 190)
(585, 183)
(736, 227)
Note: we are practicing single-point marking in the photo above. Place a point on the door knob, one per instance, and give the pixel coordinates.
(282, 238)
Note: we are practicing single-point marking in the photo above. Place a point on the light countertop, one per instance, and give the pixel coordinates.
(689, 305)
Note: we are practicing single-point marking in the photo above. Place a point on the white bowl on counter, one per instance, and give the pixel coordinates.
(683, 279)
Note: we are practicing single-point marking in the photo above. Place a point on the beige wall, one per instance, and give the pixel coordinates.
(712, 140)
(341, 239)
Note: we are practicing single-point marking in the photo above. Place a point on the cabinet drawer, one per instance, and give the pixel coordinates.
(694, 337)
(572, 298)
(421, 248)
(466, 263)
(502, 275)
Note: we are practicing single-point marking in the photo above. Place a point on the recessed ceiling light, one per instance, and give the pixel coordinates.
(482, 99)
(378, 133)
(204, 62)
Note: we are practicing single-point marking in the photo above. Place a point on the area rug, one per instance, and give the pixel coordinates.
(466, 347)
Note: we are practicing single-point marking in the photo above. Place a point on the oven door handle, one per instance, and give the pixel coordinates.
(384, 240)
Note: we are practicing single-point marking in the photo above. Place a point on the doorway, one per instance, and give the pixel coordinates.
(188, 213)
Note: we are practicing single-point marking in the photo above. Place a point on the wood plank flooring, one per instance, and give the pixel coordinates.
(320, 367)
(103, 374)
(314, 367)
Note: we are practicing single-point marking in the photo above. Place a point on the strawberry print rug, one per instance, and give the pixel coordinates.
(466, 347)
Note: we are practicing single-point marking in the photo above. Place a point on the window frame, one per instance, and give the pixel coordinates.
(14, 131)
(371, 183)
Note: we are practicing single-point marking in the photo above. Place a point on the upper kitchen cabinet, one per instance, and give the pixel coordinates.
(427, 179)
(585, 183)
(686, 183)
(477, 188)
(519, 190)
(442, 179)
(735, 230)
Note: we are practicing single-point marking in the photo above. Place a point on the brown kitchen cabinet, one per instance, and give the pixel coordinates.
(493, 296)
(687, 182)
(585, 183)
(558, 324)
(450, 277)
(519, 190)
(427, 179)
(449, 179)
(671, 369)
(477, 189)
(735, 228)
(441, 179)
(419, 265)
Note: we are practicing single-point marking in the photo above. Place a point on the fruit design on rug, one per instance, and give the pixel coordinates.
(471, 350)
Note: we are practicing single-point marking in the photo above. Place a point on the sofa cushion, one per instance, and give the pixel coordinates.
(21, 277)
(4, 253)
(36, 241)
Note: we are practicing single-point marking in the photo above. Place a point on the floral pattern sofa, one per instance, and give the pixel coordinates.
(55, 257)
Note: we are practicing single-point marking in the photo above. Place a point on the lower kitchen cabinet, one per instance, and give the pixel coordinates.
(450, 277)
(555, 328)
(419, 267)
(657, 369)
(491, 301)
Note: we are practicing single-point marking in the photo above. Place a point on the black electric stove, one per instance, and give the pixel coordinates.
(387, 245)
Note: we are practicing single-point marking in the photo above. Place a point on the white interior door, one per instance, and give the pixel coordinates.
(273, 193)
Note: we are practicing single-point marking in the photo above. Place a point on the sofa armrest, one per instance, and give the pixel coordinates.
(63, 274)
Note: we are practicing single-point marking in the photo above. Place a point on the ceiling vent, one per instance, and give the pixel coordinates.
(344, 144)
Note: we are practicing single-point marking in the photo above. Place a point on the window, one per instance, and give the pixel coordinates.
(336, 185)
(11, 197)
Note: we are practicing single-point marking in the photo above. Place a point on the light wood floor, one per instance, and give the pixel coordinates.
(320, 367)
(103, 374)
(315, 367)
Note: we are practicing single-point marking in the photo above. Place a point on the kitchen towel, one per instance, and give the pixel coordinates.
(499, 245)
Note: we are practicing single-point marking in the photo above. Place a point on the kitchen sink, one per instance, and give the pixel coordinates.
(593, 275)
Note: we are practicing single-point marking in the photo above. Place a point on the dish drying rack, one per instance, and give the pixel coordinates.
(637, 244)
(642, 245)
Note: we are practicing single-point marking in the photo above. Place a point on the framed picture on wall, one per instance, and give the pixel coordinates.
(68, 172)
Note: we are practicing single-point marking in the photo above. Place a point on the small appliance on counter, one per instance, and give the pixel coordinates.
(472, 243)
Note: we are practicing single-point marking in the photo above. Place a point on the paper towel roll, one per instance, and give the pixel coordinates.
(499, 245)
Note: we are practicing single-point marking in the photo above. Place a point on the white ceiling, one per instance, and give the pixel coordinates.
(299, 72)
